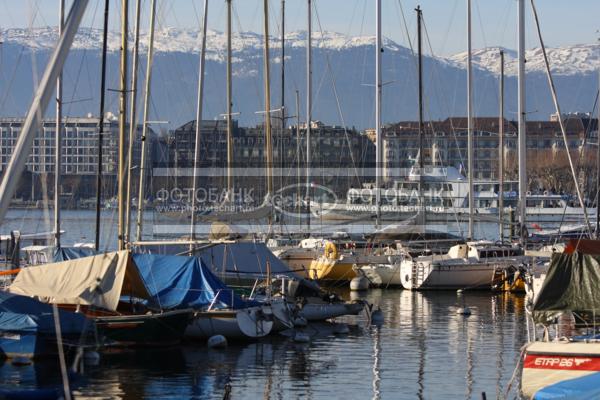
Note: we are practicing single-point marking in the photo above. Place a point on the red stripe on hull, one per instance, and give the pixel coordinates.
(573, 363)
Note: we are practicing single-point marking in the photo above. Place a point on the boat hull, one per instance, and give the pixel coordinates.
(158, 329)
(322, 312)
(569, 367)
(253, 322)
(449, 276)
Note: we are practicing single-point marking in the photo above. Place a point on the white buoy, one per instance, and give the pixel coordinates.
(20, 360)
(91, 357)
(301, 337)
(463, 311)
(359, 283)
(377, 317)
(459, 291)
(341, 329)
(217, 342)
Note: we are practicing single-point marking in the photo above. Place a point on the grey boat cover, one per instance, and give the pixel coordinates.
(572, 284)
(246, 258)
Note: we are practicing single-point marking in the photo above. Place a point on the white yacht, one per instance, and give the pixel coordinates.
(474, 265)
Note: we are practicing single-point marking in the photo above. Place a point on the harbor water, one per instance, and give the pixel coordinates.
(424, 350)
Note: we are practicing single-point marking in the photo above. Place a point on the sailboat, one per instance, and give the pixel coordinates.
(474, 264)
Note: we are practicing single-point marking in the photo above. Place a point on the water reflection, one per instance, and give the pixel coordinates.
(424, 350)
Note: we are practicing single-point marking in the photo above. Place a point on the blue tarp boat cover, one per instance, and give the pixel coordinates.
(184, 282)
(583, 388)
(24, 314)
(247, 258)
(71, 253)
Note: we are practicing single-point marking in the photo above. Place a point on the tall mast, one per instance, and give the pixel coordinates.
(560, 120)
(378, 141)
(422, 209)
(521, 123)
(132, 121)
(58, 136)
(101, 126)
(229, 115)
(266, 72)
(198, 122)
(501, 150)
(470, 155)
(122, 121)
(283, 113)
(41, 98)
(142, 191)
(308, 105)
(298, 193)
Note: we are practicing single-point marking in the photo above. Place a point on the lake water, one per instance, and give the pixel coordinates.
(424, 350)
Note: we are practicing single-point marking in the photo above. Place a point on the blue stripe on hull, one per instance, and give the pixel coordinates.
(584, 388)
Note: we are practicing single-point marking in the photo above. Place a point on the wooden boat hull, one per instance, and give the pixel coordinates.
(561, 367)
(158, 329)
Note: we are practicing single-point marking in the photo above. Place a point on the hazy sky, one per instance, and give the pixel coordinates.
(564, 22)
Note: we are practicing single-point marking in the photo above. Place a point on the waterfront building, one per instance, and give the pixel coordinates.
(79, 156)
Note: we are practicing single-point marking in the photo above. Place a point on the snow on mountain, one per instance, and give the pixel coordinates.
(185, 40)
(571, 60)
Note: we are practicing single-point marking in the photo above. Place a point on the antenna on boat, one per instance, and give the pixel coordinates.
(58, 135)
(132, 121)
(470, 155)
(308, 107)
(198, 124)
(122, 121)
(378, 138)
(501, 150)
(522, 128)
(101, 125)
(142, 191)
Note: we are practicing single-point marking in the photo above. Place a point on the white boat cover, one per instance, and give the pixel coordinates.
(99, 280)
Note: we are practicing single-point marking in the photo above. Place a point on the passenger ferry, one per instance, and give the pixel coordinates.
(445, 194)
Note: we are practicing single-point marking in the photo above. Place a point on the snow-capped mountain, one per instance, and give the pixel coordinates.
(571, 60)
(340, 60)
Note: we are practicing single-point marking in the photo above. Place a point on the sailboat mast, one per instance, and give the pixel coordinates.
(266, 72)
(521, 123)
(101, 126)
(58, 136)
(421, 119)
(229, 115)
(198, 123)
(298, 192)
(142, 191)
(283, 113)
(378, 138)
(470, 155)
(308, 106)
(132, 121)
(122, 122)
(501, 150)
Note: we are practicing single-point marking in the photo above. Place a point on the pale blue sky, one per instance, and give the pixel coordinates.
(564, 22)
